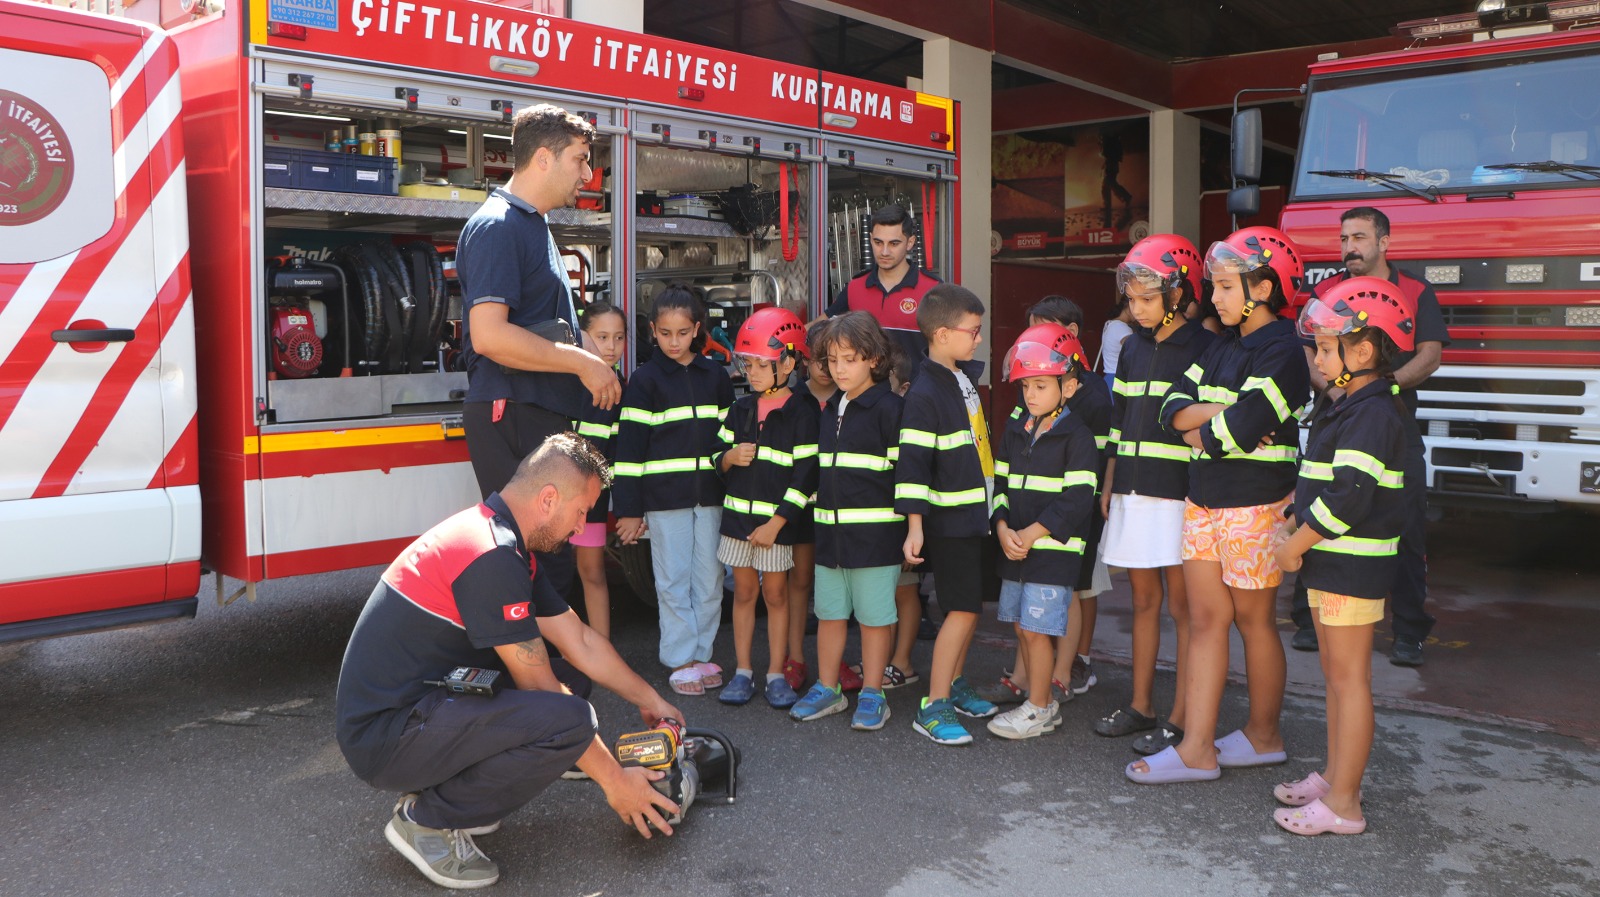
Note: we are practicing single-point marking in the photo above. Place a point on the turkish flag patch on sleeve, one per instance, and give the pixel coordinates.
(516, 611)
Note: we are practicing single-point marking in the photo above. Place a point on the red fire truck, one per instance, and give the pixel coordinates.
(1484, 151)
(300, 411)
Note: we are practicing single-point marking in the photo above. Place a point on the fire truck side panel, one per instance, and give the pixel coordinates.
(99, 506)
(216, 78)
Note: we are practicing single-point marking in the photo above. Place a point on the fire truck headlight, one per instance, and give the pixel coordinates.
(1583, 316)
(1525, 274)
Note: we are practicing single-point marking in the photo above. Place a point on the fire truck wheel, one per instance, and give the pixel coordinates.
(635, 563)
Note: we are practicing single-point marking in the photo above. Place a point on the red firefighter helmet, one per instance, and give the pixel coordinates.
(1160, 261)
(1358, 303)
(1253, 248)
(769, 333)
(1044, 350)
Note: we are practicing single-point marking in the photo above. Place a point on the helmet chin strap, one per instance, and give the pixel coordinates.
(1344, 378)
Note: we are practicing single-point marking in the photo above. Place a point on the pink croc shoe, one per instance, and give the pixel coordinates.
(1315, 819)
(710, 674)
(1298, 794)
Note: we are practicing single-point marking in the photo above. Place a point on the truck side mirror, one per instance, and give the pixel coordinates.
(1244, 202)
(1246, 146)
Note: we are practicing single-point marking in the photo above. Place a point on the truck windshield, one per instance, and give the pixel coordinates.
(1493, 123)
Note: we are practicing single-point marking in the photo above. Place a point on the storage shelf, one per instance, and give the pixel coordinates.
(346, 210)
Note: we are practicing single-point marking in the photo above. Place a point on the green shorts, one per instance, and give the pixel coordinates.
(866, 592)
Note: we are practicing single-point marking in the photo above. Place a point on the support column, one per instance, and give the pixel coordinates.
(627, 15)
(1175, 174)
(962, 72)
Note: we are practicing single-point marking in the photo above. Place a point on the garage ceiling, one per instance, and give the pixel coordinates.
(1166, 29)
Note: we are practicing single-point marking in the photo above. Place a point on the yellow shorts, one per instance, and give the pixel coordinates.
(1240, 539)
(1345, 610)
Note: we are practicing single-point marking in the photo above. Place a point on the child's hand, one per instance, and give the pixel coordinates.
(764, 535)
(1009, 543)
(742, 454)
(629, 529)
(1288, 561)
(1105, 503)
(912, 549)
(1192, 437)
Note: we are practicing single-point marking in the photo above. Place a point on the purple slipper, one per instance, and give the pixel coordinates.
(1234, 751)
(1166, 768)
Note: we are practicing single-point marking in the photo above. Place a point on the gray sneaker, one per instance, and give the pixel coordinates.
(446, 856)
(476, 830)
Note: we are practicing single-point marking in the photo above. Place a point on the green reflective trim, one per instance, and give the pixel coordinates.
(955, 440)
(627, 469)
(976, 496)
(1163, 451)
(1266, 387)
(894, 454)
(591, 430)
(1100, 442)
(795, 497)
(1116, 436)
(742, 506)
(1218, 394)
(676, 465)
(1132, 390)
(855, 460)
(1000, 501)
(914, 491)
(1219, 429)
(1074, 545)
(1372, 467)
(802, 452)
(1195, 373)
(1159, 387)
(1355, 545)
(672, 415)
(858, 515)
(780, 458)
(1001, 468)
(1316, 470)
(917, 437)
(1319, 512)
(1035, 483)
(1274, 453)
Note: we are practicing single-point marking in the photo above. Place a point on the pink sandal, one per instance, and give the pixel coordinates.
(687, 681)
(1298, 794)
(710, 674)
(1315, 819)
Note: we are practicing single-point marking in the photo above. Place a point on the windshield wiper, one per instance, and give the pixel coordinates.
(1392, 181)
(1565, 169)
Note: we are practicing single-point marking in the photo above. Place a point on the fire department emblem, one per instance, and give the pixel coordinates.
(908, 306)
(36, 164)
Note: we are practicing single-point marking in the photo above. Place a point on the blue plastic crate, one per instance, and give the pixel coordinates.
(371, 174)
(304, 169)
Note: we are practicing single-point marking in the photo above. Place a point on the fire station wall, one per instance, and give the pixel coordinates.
(1017, 286)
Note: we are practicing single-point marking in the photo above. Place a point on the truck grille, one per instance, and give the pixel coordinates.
(1524, 404)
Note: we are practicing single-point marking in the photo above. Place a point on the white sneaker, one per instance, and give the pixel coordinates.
(1026, 721)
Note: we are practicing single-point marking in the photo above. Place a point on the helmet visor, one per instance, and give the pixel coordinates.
(1223, 258)
(1030, 359)
(743, 362)
(1146, 277)
(1320, 317)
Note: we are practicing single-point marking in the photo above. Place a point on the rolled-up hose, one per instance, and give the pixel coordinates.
(427, 283)
(374, 325)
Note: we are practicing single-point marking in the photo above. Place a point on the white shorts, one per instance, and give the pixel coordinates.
(1143, 532)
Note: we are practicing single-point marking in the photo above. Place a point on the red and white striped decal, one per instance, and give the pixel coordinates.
(56, 434)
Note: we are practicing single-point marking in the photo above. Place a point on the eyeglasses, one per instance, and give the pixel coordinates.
(976, 332)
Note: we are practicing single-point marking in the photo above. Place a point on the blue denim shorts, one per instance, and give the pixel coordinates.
(1037, 607)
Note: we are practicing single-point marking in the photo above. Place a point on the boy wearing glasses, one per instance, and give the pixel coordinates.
(944, 484)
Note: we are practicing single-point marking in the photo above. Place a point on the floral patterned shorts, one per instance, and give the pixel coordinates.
(1240, 539)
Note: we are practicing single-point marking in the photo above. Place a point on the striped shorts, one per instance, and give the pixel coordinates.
(740, 553)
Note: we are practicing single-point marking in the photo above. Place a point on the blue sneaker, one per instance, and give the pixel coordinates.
(739, 690)
(819, 702)
(968, 702)
(780, 695)
(937, 720)
(872, 710)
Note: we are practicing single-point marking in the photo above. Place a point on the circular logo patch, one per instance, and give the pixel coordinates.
(908, 306)
(35, 161)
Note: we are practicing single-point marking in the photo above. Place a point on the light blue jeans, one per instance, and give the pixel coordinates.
(683, 555)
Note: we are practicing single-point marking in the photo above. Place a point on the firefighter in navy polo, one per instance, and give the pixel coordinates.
(461, 596)
(892, 290)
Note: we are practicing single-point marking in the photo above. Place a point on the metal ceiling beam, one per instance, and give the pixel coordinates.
(1038, 106)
